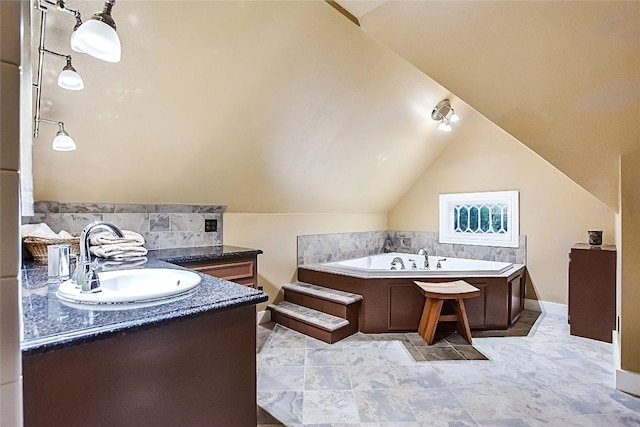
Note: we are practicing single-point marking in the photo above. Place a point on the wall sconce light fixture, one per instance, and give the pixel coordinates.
(69, 78)
(97, 37)
(444, 113)
(62, 141)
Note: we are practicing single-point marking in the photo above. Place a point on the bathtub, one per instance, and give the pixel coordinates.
(391, 302)
(380, 266)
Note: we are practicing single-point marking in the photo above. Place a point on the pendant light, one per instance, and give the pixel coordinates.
(97, 36)
(69, 78)
(62, 141)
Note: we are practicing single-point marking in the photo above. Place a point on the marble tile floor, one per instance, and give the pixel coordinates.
(546, 378)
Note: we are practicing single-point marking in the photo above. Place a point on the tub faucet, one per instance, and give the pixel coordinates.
(396, 260)
(85, 275)
(439, 265)
(424, 252)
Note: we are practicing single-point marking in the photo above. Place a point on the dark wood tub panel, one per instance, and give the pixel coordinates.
(393, 304)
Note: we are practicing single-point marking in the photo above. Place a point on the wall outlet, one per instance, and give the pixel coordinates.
(210, 225)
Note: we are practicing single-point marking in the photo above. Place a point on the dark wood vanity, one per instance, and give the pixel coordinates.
(242, 270)
(190, 371)
(177, 363)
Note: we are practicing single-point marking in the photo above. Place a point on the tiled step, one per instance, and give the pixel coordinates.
(329, 294)
(322, 326)
(331, 301)
(308, 315)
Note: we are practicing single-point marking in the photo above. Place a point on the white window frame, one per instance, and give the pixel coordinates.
(448, 234)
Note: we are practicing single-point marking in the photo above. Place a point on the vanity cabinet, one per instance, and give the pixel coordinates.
(190, 371)
(242, 270)
(592, 291)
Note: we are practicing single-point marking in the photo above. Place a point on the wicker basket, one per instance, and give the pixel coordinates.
(38, 245)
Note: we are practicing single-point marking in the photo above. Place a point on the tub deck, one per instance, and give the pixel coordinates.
(392, 304)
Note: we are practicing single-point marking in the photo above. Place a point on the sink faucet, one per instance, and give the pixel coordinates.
(424, 252)
(394, 261)
(85, 276)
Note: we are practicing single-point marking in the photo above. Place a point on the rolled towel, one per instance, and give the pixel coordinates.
(118, 251)
(108, 238)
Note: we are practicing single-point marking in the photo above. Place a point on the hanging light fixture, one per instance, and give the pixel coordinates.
(97, 36)
(102, 43)
(444, 113)
(69, 78)
(62, 141)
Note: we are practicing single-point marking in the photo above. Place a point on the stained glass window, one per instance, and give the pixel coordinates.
(488, 218)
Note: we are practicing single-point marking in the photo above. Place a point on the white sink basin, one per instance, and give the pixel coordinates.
(125, 287)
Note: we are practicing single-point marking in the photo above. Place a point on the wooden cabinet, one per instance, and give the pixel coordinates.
(592, 291)
(191, 372)
(242, 270)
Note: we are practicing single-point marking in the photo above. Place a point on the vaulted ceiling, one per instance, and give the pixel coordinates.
(563, 77)
(289, 107)
(262, 106)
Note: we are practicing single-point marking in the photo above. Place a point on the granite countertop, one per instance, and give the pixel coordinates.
(49, 324)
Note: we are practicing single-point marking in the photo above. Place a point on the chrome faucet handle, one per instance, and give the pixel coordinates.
(439, 265)
(397, 260)
(423, 251)
(86, 277)
(414, 266)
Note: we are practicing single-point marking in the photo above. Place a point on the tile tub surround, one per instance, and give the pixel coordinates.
(162, 225)
(320, 248)
(547, 378)
(49, 324)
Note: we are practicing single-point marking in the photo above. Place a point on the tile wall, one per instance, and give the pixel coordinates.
(318, 248)
(10, 360)
(162, 225)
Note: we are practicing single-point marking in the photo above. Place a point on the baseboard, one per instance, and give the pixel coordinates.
(626, 381)
(546, 307)
(263, 316)
(615, 340)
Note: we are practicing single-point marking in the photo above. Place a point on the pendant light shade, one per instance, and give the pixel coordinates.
(75, 46)
(69, 78)
(97, 37)
(62, 141)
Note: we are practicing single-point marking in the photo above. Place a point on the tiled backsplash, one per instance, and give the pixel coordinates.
(162, 225)
(318, 248)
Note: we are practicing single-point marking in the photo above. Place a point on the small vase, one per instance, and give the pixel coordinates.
(595, 237)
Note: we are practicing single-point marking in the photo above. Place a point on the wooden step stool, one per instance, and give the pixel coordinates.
(436, 294)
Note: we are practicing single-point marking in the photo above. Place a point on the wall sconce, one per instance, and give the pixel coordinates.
(97, 37)
(62, 141)
(69, 78)
(444, 113)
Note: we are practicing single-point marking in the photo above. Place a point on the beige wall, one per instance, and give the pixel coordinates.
(630, 254)
(555, 212)
(276, 235)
